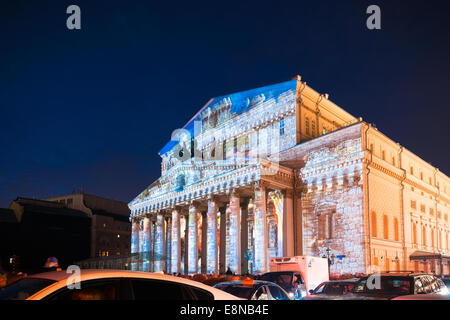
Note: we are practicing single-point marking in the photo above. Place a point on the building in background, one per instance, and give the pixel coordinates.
(71, 228)
(110, 226)
(282, 171)
(9, 228)
(43, 229)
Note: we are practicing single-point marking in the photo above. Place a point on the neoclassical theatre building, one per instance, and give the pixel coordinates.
(281, 171)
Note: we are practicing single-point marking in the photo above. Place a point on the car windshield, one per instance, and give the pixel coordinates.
(282, 279)
(332, 289)
(237, 290)
(385, 286)
(24, 288)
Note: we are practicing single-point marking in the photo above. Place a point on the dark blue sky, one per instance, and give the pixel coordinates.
(93, 107)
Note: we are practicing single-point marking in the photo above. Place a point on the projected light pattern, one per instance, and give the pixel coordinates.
(192, 240)
(233, 232)
(278, 201)
(135, 237)
(211, 238)
(175, 241)
(182, 242)
(159, 242)
(259, 232)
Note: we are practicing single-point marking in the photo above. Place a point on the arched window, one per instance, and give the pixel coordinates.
(373, 223)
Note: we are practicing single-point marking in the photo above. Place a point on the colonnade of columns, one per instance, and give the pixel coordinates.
(222, 231)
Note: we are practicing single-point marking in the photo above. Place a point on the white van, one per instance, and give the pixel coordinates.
(313, 270)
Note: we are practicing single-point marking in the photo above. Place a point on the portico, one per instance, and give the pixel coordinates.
(235, 221)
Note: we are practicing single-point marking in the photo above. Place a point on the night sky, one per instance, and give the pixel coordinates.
(91, 108)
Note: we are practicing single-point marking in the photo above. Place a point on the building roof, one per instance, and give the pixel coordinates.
(7, 216)
(100, 205)
(48, 207)
(240, 102)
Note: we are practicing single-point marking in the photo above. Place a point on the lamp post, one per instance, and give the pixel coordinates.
(330, 256)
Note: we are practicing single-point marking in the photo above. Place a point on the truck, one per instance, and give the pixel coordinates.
(307, 273)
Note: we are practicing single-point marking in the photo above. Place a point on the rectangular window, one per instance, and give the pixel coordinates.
(422, 208)
(413, 204)
(307, 125)
(374, 224)
(386, 227)
(282, 127)
(396, 230)
(313, 128)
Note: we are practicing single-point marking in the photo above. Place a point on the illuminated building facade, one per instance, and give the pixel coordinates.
(282, 171)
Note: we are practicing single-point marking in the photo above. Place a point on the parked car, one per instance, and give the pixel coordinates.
(332, 290)
(431, 296)
(110, 285)
(396, 284)
(291, 281)
(250, 289)
(446, 281)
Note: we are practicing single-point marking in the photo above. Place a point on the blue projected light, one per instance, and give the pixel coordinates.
(240, 102)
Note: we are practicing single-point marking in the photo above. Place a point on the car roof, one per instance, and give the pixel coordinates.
(353, 280)
(239, 282)
(92, 274)
(403, 274)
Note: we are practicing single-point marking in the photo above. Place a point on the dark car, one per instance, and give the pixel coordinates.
(332, 290)
(292, 282)
(254, 290)
(447, 283)
(390, 285)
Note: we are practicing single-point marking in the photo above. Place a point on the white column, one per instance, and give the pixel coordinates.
(211, 242)
(176, 247)
(159, 243)
(145, 247)
(134, 243)
(135, 236)
(192, 240)
(260, 232)
(234, 230)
